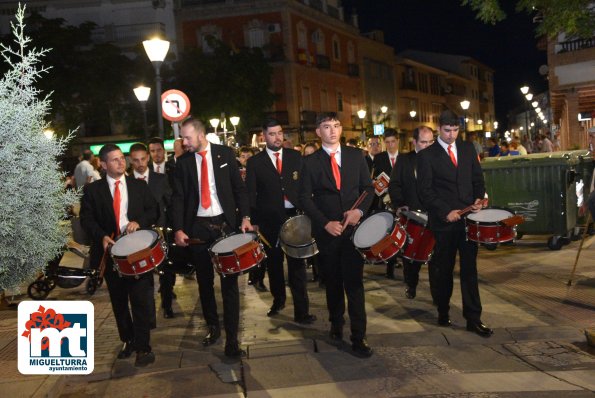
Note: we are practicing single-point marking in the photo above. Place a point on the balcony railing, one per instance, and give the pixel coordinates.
(353, 70)
(323, 62)
(575, 45)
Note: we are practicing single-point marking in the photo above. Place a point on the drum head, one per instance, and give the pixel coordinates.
(296, 231)
(373, 229)
(490, 215)
(232, 242)
(134, 242)
(419, 217)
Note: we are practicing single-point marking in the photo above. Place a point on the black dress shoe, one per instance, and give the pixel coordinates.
(410, 293)
(168, 313)
(443, 320)
(126, 350)
(361, 348)
(260, 286)
(144, 358)
(306, 320)
(212, 335)
(479, 328)
(233, 350)
(275, 309)
(336, 332)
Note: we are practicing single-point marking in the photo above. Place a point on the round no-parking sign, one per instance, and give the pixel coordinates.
(175, 105)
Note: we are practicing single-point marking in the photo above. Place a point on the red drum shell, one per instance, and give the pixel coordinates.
(130, 261)
(420, 240)
(485, 227)
(236, 253)
(379, 237)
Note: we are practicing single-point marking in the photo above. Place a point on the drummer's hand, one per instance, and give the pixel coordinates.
(477, 205)
(107, 241)
(132, 227)
(334, 228)
(352, 217)
(246, 225)
(453, 216)
(181, 238)
(402, 209)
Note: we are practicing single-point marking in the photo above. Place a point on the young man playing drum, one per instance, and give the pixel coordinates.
(110, 207)
(272, 178)
(449, 180)
(403, 194)
(333, 179)
(207, 190)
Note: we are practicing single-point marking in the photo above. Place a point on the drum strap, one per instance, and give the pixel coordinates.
(135, 257)
(385, 242)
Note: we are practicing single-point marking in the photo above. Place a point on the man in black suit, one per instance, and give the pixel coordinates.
(384, 162)
(332, 180)
(403, 194)
(159, 187)
(207, 190)
(373, 150)
(159, 163)
(450, 179)
(272, 177)
(135, 208)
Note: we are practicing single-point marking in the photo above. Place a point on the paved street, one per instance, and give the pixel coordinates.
(538, 349)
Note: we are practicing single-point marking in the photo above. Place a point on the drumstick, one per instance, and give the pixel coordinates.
(356, 204)
(103, 258)
(467, 209)
(191, 241)
(262, 238)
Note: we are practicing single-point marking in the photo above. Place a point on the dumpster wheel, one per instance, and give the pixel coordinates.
(555, 242)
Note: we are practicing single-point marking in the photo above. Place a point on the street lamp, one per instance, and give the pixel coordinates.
(48, 133)
(156, 50)
(412, 113)
(362, 115)
(214, 123)
(495, 125)
(142, 95)
(524, 90)
(529, 96)
(383, 109)
(235, 120)
(465, 105)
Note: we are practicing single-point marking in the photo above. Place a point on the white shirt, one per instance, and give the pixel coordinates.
(161, 167)
(123, 200)
(215, 209)
(337, 154)
(273, 157)
(392, 158)
(453, 148)
(140, 176)
(82, 171)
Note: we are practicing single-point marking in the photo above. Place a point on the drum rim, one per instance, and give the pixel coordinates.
(311, 243)
(289, 219)
(395, 221)
(254, 238)
(151, 246)
(425, 223)
(486, 223)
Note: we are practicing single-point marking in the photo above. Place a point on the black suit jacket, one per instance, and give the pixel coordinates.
(159, 187)
(231, 190)
(267, 188)
(319, 196)
(382, 164)
(370, 163)
(444, 187)
(403, 182)
(97, 212)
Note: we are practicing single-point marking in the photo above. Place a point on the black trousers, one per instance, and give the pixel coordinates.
(343, 269)
(135, 321)
(208, 230)
(448, 243)
(296, 274)
(167, 280)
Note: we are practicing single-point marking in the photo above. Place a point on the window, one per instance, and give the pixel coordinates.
(323, 100)
(435, 84)
(350, 53)
(302, 36)
(207, 35)
(336, 49)
(318, 39)
(423, 82)
(255, 37)
(339, 102)
(306, 102)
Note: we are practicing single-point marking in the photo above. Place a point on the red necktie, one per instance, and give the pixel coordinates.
(144, 178)
(452, 156)
(392, 162)
(336, 172)
(205, 191)
(158, 168)
(117, 199)
(279, 164)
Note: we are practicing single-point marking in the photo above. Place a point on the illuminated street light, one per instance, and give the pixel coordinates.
(524, 90)
(142, 95)
(529, 96)
(465, 105)
(383, 109)
(48, 133)
(214, 123)
(535, 104)
(156, 50)
(412, 113)
(235, 120)
(362, 115)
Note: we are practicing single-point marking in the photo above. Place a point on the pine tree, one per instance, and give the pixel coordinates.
(34, 201)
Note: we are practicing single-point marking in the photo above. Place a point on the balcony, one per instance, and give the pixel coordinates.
(127, 34)
(575, 45)
(323, 62)
(353, 70)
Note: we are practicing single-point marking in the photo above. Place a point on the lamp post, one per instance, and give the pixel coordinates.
(465, 105)
(525, 92)
(142, 95)
(156, 50)
(362, 115)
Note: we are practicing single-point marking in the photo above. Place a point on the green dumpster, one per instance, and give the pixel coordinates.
(542, 187)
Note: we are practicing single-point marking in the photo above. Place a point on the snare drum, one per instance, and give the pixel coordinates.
(139, 252)
(236, 253)
(485, 226)
(296, 238)
(379, 237)
(420, 240)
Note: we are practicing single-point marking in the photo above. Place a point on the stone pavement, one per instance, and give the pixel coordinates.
(538, 349)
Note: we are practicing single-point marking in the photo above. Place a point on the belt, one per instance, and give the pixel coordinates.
(212, 220)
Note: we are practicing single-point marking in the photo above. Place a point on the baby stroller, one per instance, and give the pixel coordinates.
(69, 269)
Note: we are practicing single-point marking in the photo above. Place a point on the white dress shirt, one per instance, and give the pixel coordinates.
(123, 200)
(337, 154)
(144, 176)
(161, 167)
(215, 209)
(453, 148)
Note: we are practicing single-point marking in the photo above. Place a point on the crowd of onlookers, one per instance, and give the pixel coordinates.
(540, 144)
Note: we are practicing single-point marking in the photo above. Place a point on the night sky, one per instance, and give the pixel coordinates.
(509, 47)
